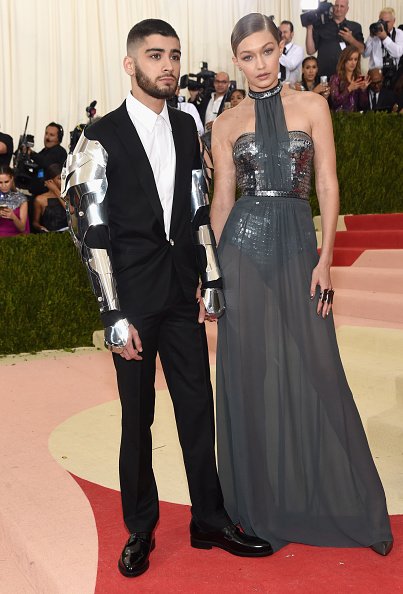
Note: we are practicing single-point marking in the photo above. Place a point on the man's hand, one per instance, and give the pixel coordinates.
(382, 34)
(346, 35)
(52, 186)
(133, 346)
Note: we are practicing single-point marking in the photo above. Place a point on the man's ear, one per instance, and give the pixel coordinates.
(128, 65)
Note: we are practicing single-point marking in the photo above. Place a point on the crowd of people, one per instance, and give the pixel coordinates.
(39, 207)
(335, 73)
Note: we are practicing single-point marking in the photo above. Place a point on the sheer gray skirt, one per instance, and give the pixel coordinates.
(294, 461)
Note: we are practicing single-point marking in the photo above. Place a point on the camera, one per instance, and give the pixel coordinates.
(79, 129)
(203, 81)
(389, 70)
(323, 14)
(25, 169)
(377, 27)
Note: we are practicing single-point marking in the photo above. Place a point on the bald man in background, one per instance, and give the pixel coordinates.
(214, 104)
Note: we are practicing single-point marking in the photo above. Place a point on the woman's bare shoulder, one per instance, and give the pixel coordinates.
(233, 122)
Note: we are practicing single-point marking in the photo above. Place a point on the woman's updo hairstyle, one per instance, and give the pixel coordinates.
(253, 23)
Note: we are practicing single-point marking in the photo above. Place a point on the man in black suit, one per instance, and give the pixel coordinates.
(147, 155)
(379, 98)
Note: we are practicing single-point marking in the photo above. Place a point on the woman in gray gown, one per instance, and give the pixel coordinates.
(294, 461)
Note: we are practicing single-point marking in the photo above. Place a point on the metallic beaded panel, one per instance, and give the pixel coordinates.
(249, 171)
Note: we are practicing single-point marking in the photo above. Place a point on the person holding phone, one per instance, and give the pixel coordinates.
(13, 206)
(310, 80)
(348, 86)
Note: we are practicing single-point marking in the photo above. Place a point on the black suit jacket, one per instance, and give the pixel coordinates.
(143, 259)
(386, 100)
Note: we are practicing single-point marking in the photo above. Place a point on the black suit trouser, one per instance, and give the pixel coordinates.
(181, 342)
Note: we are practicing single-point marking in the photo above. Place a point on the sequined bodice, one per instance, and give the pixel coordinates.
(249, 175)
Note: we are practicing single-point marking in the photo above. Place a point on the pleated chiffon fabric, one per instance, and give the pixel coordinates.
(294, 461)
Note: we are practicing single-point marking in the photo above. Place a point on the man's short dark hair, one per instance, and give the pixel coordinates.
(288, 23)
(149, 27)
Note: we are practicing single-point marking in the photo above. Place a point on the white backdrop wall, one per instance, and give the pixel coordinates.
(56, 56)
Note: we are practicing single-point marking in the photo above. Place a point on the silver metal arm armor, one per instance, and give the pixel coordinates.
(213, 297)
(84, 186)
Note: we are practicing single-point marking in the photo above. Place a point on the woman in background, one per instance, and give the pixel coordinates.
(310, 80)
(50, 208)
(13, 206)
(348, 86)
(237, 96)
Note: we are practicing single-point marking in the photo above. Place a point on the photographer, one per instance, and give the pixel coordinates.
(330, 37)
(384, 46)
(52, 152)
(212, 105)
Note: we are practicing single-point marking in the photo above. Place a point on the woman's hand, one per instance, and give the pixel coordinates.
(7, 213)
(354, 85)
(323, 90)
(321, 277)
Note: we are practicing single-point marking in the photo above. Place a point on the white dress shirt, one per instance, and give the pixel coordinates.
(155, 133)
(191, 109)
(292, 60)
(373, 49)
(212, 108)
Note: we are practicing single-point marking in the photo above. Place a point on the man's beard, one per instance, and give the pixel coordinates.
(148, 86)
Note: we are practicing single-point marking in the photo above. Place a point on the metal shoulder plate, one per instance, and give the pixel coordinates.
(84, 185)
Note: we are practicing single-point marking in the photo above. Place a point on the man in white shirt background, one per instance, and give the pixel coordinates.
(217, 99)
(385, 47)
(292, 56)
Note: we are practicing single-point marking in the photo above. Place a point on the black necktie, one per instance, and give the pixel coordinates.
(282, 68)
(374, 100)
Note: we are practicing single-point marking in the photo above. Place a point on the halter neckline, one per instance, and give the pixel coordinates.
(266, 94)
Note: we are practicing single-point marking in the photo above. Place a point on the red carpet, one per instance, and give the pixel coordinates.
(177, 568)
(374, 221)
(367, 232)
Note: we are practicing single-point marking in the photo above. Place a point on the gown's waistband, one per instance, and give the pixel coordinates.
(273, 194)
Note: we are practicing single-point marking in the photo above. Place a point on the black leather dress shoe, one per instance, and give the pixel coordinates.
(134, 559)
(383, 548)
(231, 539)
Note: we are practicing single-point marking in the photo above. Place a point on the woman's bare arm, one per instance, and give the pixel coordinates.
(224, 175)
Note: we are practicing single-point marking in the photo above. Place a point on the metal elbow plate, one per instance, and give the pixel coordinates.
(117, 335)
(214, 302)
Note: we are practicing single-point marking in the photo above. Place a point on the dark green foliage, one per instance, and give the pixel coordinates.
(369, 152)
(45, 297)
